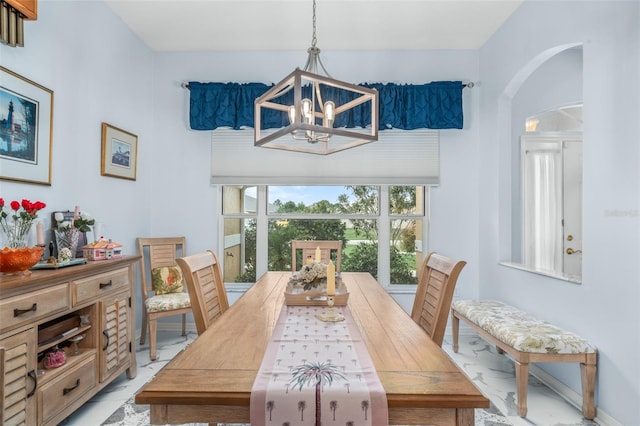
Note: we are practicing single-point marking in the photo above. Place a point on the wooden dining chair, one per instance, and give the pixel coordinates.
(206, 287)
(438, 276)
(309, 247)
(163, 292)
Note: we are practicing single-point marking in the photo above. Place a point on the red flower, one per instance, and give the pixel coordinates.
(32, 208)
(17, 224)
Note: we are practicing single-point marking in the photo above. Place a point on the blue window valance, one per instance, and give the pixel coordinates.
(436, 105)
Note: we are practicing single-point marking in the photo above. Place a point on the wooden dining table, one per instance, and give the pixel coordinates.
(211, 380)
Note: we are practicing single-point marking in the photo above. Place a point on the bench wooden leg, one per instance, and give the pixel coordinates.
(588, 376)
(455, 328)
(522, 382)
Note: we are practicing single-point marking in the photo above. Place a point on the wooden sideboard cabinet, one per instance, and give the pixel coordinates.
(41, 315)
(28, 8)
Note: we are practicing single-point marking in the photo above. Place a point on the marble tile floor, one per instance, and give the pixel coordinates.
(492, 373)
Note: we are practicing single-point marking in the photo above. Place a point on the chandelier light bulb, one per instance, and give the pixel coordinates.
(329, 113)
(292, 114)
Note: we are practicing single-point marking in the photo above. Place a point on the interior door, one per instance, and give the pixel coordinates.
(572, 206)
(552, 203)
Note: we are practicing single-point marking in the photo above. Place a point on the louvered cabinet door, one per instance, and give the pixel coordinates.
(18, 378)
(115, 349)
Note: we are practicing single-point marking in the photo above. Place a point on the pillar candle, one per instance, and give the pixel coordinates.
(39, 234)
(331, 279)
(318, 254)
(309, 260)
(97, 231)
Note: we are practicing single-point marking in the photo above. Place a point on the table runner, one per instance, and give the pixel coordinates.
(310, 363)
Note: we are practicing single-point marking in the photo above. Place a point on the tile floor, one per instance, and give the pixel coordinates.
(492, 373)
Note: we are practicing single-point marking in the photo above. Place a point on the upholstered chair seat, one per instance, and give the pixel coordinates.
(167, 302)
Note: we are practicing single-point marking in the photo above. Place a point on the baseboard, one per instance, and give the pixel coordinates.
(574, 398)
(565, 392)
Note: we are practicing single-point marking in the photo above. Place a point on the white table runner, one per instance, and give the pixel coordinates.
(310, 363)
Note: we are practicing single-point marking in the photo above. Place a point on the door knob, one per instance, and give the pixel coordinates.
(572, 251)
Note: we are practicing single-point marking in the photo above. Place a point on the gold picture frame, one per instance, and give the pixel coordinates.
(26, 129)
(119, 153)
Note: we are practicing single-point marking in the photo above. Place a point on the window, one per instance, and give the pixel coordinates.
(382, 227)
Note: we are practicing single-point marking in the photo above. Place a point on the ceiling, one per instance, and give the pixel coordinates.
(253, 25)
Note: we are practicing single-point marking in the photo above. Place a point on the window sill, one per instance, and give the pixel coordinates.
(575, 279)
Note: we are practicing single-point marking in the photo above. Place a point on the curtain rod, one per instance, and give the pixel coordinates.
(469, 85)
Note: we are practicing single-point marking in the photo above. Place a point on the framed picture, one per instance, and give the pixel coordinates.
(26, 129)
(119, 152)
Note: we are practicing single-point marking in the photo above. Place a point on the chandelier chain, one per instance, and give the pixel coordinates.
(313, 38)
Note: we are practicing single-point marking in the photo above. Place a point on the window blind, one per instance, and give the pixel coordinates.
(399, 157)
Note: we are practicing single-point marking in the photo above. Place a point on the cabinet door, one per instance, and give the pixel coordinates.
(116, 349)
(18, 378)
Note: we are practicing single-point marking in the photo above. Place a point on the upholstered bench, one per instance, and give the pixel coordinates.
(527, 339)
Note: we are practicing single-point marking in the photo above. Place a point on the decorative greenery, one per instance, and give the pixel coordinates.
(82, 223)
(360, 257)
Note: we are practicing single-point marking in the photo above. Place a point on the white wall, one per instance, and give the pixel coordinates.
(604, 308)
(101, 72)
(98, 72)
(177, 193)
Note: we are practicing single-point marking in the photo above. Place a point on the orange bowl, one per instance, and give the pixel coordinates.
(14, 260)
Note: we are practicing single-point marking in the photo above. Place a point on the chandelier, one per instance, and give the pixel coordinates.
(310, 105)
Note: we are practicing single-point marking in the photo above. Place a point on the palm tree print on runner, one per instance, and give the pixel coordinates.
(316, 374)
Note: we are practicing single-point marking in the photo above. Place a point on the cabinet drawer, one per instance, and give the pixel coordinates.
(59, 393)
(98, 285)
(30, 307)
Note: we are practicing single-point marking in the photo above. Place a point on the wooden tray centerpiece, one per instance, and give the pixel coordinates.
(308, 287)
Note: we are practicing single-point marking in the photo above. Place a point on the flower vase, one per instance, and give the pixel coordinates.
(16, 234)
(67, 243)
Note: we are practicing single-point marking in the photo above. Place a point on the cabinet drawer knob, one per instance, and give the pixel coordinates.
(104, 285)
(67, 390)
(18, 312)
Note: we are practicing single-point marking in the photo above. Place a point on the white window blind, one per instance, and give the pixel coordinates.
(399, 157)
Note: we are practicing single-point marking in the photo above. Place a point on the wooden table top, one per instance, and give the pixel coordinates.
(219, 367)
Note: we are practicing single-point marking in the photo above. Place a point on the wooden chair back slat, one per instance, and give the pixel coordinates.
(438, 277)
(204, 281)
(309, 247)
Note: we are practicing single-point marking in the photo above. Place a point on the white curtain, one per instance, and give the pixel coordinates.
(543, 208)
